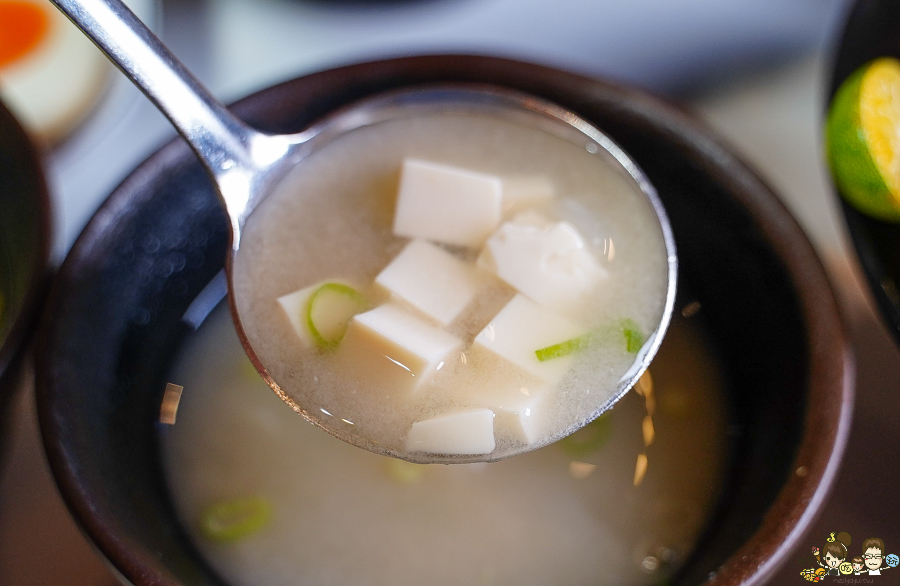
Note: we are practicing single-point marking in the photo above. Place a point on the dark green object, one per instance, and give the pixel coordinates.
(589, 439)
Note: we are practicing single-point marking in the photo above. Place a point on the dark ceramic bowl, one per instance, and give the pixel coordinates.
(872, 30)
(24, 247)
(113, 324)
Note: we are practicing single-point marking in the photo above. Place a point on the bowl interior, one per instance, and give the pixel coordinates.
(114, 321)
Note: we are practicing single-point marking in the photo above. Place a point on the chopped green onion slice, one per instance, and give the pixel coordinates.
(404, 472)
(564, 348)
(232, 520)
(589, 438)
(329, 311)
(633, 337)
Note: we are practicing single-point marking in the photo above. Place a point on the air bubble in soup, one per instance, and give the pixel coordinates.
(452, 283)
(622, 502)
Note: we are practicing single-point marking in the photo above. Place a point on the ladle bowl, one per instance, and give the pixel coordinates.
(246, 165)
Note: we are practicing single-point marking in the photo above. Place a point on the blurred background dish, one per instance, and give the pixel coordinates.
(25, 232)
(872, 30)
(51, 76)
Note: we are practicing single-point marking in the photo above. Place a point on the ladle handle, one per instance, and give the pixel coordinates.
(218, 137)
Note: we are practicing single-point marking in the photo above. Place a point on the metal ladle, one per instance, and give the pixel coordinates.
(247, 164)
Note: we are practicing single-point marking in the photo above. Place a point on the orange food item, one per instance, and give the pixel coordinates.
(22, 28)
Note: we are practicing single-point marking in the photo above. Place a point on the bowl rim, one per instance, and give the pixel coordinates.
(830, 362)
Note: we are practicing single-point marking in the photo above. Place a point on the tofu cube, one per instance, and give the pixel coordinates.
(523, 327)
(526, 192)
(394, 350)
(522, 412)
(469, 432)
(430, 279)
(447, 204)
(295, 306)
(550, 264)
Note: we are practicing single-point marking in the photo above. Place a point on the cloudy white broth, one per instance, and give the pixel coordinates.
(481, 327)
(270, 500)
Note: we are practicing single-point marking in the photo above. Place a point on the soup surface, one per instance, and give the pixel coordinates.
(334, 220)
(270, 500)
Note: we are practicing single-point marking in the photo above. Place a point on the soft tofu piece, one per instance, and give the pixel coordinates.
(468, 432)
(550, 264)
(518, 399)
(524, 192)
(521, 328)
(294, 306)
(430, 279)
(394, 350)
(522, 411)
(447, 204)
(532, 218)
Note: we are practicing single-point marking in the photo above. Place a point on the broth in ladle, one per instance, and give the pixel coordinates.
(339, 212)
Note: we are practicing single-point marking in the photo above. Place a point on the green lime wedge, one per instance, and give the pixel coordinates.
(232, 520)
(329, 311)
(863, 140)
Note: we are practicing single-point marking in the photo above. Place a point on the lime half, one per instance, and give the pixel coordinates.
(863, 139)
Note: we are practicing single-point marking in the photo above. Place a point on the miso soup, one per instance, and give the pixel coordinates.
(270, 500)
(538, 300)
